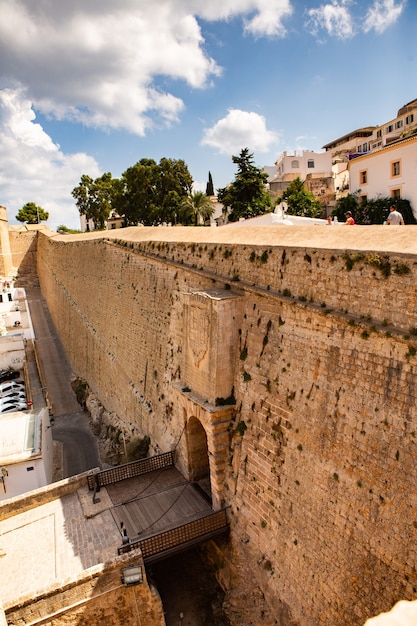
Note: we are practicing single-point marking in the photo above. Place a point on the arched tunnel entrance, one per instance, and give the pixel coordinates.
(202, 451)
(198, 458)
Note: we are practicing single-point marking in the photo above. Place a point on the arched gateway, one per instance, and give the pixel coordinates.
(205, 402)
(201, 454)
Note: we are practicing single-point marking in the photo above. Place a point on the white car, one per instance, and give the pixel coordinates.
(15, 396)
(12, 400)
(12, 408)
(11, 386)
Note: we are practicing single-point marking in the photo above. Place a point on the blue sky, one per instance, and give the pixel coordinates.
(92, 86)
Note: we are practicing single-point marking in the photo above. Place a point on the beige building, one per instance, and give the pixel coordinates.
(388, 172)
(369, 141)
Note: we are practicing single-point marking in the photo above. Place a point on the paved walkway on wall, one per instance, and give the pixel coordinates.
(401, 239)
(71, 430)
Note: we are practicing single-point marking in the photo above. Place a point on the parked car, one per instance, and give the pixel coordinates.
(15, 395)
(8, 400)
(9, 375)
(12, 408)
(12, 385)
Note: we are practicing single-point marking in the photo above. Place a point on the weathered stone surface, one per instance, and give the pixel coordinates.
(318, 462)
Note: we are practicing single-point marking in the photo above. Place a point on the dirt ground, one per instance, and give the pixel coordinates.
(189, 591)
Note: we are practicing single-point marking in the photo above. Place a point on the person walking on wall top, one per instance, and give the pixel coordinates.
(394, 218)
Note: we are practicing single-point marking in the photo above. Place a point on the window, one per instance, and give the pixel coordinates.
(363, 177)
(365, 147)
(9, 295)
(398, 124)
(389, 129)
(295, 164)
(395, 168)
(409, 119)
(395, 193)
(379, 133)
(359, 149)
(310, 163)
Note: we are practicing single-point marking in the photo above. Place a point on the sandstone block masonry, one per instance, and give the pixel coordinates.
(316, 454)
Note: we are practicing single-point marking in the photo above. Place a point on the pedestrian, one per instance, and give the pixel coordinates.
(394, 218)
(329, 220)
(349, 219)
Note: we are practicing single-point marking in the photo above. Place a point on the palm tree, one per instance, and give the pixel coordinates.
(196, 208)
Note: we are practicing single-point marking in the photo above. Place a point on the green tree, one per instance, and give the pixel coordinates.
(300, 201)
(152, 193)
(209, 186)
(138, 200)
(196, 208)
(31, 213)
(175, 183)
(94, 198)
(247, 196)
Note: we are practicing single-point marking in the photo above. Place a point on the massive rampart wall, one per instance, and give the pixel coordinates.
(320, 476)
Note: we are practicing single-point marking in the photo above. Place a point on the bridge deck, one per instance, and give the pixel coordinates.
(155, 501)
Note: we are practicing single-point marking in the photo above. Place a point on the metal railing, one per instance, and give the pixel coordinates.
(129, 470)
(169, 541)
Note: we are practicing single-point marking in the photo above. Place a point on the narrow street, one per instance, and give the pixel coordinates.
(71, 427)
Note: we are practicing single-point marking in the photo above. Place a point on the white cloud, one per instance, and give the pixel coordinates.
(268, 19)
(240, 129)
(382, 14)
(114, 56)
(33, 168)
(333, 17)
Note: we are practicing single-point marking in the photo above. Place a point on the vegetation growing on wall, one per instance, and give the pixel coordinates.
(136, 449)
(80, 389)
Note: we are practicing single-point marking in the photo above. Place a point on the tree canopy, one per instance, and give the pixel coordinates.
(31, 213)
(94, 198)
(196, 208)
(210, 186)
(152, 193)
(300, 201)
(247, 196)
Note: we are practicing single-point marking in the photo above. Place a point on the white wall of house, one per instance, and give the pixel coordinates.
(299, 164)
(26, 452)
(389, 172)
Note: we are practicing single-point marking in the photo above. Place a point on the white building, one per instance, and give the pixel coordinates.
(388, 172)
(300, 165)
(370, 140)
(26, 452)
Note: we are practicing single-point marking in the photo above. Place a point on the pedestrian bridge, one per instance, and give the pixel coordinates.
(157, 509)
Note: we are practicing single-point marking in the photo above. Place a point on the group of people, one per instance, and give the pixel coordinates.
(394, 218)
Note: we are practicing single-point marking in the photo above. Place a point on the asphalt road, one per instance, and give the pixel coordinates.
(71, 427)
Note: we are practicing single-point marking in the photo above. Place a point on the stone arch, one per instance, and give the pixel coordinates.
(197, 450)
(203, 447)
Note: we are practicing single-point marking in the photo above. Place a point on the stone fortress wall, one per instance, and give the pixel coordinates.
(319, 328)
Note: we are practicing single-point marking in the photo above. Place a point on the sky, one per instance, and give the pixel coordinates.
(93, 86)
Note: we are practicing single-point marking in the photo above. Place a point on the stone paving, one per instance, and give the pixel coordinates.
(55, 542)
